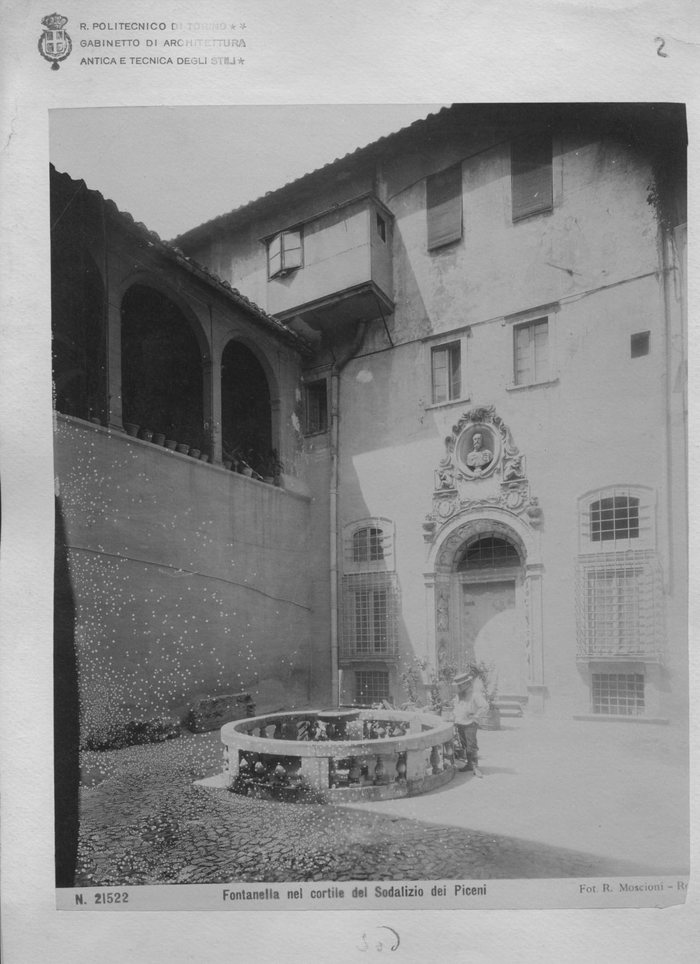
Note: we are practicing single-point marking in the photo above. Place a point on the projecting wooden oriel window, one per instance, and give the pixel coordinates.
(444, 207)
(531, 174)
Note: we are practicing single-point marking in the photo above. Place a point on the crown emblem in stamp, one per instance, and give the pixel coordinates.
(55, 44)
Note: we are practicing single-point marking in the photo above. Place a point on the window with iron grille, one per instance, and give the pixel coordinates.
(617, 694)
(371, 686)
(368, 545)
(446, 370)
(531, 174)
(615, 518)
(531, 352)
(370, 615)
(620, 608)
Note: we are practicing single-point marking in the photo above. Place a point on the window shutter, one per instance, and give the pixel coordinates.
(291, 241)
(531, 174)
(444, 207)
(274, 256)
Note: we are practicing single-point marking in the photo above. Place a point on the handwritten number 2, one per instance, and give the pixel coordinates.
(659, 50)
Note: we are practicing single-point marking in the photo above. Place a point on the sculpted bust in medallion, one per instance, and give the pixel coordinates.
(479, 457)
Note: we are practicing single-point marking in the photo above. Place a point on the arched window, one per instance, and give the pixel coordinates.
(367, 545)
(614, 518)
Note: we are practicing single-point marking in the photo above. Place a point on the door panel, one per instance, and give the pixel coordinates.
(493, 630)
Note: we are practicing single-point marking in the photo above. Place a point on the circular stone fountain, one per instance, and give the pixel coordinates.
(338, 755)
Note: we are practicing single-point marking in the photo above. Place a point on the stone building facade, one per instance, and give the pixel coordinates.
(496, 400)
(472, 337)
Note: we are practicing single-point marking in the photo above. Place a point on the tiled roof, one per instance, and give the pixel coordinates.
(376, 147)
(173, 253)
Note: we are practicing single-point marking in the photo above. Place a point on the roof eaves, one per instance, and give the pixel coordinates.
(209, 227)
(173, 253)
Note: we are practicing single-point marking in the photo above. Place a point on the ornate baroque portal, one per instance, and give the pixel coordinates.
(484, 574)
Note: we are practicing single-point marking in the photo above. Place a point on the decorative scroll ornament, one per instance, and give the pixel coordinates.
(482, 468)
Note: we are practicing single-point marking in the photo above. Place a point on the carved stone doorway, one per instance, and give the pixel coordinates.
(485, 597)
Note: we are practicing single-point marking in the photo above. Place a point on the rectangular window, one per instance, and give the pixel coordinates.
(316, 407)
(531, 174)
(371, 686)
(284, 253)
(617, 694)
(531, 352)
(444, 207)
(446, 364)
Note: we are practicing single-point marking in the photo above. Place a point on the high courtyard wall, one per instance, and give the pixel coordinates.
(188, 580)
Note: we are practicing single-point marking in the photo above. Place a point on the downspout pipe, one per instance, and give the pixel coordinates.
(338, 365)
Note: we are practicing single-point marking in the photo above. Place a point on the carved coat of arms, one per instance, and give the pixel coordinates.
(55, 44)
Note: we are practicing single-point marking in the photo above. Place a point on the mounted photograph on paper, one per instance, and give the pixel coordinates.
(371, 516)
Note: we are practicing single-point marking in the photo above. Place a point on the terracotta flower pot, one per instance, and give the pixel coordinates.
(170, 443)
(158, 439)
(195, 453)
(182, 448)
(131, 429)
(146, 434)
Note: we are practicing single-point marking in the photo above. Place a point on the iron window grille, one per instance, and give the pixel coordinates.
(368, 546)
(370, 616)
(371, 686)
(487, 552)
(617, 694)
(617, 518)
(620, 607)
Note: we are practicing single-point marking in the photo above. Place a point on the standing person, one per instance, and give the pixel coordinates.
(470, 708)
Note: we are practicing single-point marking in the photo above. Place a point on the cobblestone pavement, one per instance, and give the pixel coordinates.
(143, 821)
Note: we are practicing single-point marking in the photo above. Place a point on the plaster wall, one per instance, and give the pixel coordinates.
(188, 580)
(601, 418)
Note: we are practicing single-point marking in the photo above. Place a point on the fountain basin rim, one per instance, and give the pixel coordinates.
(235, 733)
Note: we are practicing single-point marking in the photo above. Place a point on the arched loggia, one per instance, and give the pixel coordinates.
(79, 343)
(162, 382)
(246, 410)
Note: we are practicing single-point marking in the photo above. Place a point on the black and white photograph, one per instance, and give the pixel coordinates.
(371, 523)
(348, 473)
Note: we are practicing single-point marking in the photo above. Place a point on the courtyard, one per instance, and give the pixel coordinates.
(559, 798)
